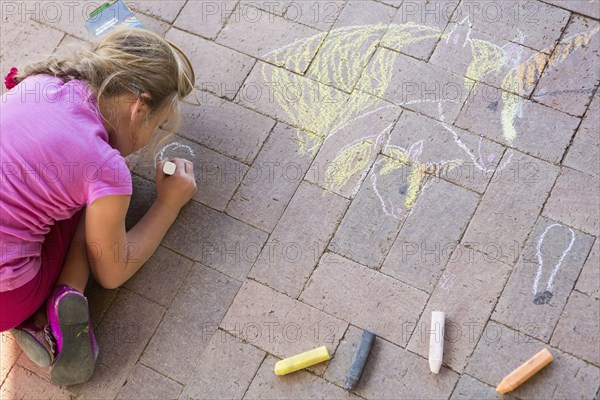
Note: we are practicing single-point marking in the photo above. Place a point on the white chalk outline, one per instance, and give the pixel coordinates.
(538, 254)
(160, 155)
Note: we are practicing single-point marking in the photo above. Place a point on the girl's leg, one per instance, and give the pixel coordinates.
(68, 314)
(76, 268)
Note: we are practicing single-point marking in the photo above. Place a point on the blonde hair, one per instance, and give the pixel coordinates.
(128, 60)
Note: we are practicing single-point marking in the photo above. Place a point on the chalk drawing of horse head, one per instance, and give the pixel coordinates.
(340, 62)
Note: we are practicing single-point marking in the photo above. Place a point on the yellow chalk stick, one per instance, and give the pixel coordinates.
(525, 371)
(302, 360)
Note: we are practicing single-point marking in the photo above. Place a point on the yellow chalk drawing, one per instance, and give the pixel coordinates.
(341, 58)
(485, 58)
(345, 52)
(297, 55)
(400, 35)
(399, 159)
(523, 77)
(420, 173)
(353, 159)
(318, 103)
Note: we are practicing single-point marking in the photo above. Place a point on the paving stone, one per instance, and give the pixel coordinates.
(290, 255)
(69, 43)
(24, 362)
(430, 235)
(484, 58)
(467, 292)
(126, 329)
(260, 34)
(105, 383)
(160, 277)
(165, 10)
(217, 176)
(393, 3)
(226, 127)
(470, 388)
(153, 24)
(63, 16)
(364, 298)
(215, 240)
(350, 44)
(584, 153)
(541, 131)
(28, 42)
(122, 336)
(320, 14)
(353, 143)
(144, 383)
(219, 70)
(509, 207)
(589, 280)
(391, 372)
(569, 81)
(278, 324)
(293, 99)
(442, 143)
(574, 201)
(275, 7)
(361, 12)
(24, 384)
(144, 194)
(9, 353)
(375, 216)
(537, 24)
(205, 17)
(501, 350)
(533, 308)
(415, 85)
(578, 329)
(224, 370)
(301, 384)
(189, 323)
(99, 300)
(425, 21)
(271, 181)
(590, 8)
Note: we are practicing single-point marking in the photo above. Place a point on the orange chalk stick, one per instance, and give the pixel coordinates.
(525, 371)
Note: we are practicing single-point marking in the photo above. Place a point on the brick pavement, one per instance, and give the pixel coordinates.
(359, 164)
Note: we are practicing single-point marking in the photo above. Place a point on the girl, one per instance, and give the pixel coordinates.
(65, 128)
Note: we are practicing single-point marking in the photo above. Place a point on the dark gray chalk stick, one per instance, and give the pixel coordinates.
(359, 360)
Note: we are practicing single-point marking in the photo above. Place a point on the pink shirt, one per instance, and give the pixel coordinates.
(55, 159)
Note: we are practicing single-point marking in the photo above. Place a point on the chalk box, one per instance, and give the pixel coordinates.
(109, 16)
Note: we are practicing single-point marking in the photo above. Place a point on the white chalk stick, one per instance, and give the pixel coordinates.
(169, 168)
(436, 341)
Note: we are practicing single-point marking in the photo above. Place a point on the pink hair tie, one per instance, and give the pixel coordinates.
(10, 81)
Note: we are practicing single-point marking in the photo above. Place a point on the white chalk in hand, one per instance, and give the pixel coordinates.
(169, 168)
(436, 341)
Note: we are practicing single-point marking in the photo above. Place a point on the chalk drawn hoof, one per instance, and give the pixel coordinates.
(543, 298)
(403, 188)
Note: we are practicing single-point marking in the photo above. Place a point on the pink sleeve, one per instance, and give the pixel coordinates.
(112, 177)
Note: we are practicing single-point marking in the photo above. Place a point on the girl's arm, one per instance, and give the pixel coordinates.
(114, 254)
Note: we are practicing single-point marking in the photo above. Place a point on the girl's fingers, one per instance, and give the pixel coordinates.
(189, 167)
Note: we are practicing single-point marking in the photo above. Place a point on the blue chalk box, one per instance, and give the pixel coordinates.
(109, 16)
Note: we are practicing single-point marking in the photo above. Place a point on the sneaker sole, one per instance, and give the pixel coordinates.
(75, 363)
(32, 349)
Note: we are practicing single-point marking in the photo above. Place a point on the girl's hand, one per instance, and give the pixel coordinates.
(176, 190)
